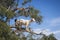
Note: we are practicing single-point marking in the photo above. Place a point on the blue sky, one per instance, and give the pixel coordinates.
(50, 10)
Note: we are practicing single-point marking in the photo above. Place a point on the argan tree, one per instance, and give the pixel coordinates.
(8, 10)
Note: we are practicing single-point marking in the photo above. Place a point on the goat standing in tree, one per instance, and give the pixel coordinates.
(24, 22)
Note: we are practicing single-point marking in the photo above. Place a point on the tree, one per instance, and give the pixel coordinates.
(5, 31)
(51, 37)
(5, 16)
(7, 3)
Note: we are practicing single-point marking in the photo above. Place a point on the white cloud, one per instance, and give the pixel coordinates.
(37, 31)
(50, 23)
(46, 31)
(55, 22)
(56, 32)
(47, 25)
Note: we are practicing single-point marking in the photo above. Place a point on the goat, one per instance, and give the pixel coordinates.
(24, 22)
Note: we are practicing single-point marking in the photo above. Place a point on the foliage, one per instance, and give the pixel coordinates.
(5, 32)
(49, 37)
(7, 3)
(4, 14)
(26, 1)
